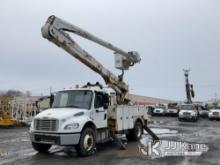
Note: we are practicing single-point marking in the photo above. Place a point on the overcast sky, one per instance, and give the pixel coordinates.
(169, 35)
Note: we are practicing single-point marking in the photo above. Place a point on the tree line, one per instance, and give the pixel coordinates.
(13, 93)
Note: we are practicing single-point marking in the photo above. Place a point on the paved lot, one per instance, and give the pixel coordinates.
(15, 147)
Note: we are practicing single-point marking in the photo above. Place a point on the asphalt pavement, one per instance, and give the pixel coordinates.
(15, 147)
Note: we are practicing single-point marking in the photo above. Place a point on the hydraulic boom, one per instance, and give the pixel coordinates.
(55, 30)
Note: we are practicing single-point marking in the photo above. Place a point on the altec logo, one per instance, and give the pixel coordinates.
(157, 149)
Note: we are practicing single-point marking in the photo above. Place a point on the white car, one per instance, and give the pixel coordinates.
(214, 114)
(159, 110)
(188, 112)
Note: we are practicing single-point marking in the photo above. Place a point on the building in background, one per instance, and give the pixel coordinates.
(148, 101)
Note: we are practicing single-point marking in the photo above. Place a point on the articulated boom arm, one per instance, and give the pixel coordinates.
(55, 31)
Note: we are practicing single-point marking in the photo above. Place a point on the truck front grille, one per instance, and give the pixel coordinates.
(186, 113)
(46, 124)
(215, 113)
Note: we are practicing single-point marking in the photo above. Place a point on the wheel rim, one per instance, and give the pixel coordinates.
(88, 142)
(138, 132)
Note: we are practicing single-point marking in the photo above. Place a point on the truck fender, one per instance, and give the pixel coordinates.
(89, 124)
(141, 120)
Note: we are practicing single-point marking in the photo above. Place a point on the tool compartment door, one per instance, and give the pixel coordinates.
(126, 117)
(119, 118)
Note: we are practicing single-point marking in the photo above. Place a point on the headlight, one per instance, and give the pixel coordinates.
(71, 126)
(32, 125)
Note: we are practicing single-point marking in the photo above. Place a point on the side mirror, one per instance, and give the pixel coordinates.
(51, 100)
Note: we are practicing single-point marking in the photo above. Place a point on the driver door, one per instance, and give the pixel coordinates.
(100, 113)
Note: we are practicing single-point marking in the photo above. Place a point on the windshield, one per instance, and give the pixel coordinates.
(187, 107)
(160, 107)
(172, 106)
(73, 99)
(216, 108)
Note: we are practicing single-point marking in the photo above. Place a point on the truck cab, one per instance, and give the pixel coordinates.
(72, 110)
(160, 109)
(188, 112)
(172, 109)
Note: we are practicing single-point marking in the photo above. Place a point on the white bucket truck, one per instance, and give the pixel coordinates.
(85, 116)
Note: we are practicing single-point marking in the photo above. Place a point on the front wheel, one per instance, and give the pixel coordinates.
(41, 147)
(136, 132)
(87, 142)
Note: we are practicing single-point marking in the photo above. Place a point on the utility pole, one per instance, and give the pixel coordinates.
(189, 87)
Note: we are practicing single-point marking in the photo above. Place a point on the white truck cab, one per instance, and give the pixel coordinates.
(160, 109)
(172, 109)
(188, 112)
(214, 113)
(83, 117)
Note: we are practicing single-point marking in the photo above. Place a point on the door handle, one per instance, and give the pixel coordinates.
(99, 110)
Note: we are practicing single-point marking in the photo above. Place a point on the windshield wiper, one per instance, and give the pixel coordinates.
(72, 106)
(67, 106)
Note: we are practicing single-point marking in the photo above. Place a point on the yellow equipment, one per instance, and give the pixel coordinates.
(6, 112)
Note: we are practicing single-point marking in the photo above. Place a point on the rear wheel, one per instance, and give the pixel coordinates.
(41, 147)
(87, 142)
(136, 132)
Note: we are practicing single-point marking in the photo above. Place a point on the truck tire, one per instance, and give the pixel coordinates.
(87, 142)
(41, 147)
(135, 133)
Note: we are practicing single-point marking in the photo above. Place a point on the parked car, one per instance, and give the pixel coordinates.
(172, 109)
(214, 114)
(188, 112)
(159, 109)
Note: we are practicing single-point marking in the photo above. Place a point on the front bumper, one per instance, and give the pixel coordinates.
(187, 117)
(158, 112)
(171, 112)
(214, 117)
(55, 139)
